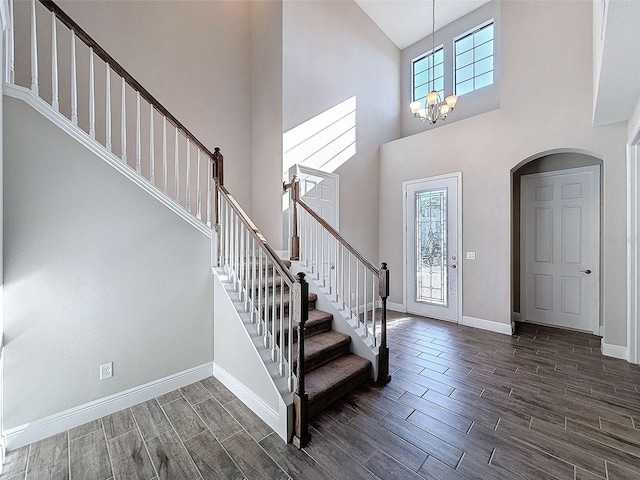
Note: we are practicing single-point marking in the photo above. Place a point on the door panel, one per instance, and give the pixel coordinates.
(431, 247)
(560, 227)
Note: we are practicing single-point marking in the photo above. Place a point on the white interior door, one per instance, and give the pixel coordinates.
(560, 232)
(320, 190)
(432, 247)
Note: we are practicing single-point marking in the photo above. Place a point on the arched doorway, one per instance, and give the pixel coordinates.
(555, 262)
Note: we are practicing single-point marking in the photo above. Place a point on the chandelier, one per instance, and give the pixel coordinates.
(435, 108)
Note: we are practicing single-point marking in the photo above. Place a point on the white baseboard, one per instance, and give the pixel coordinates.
(74, 417)
(498, 327)
(614, 351)
(396, 307)
(602, 330)
(264, 411)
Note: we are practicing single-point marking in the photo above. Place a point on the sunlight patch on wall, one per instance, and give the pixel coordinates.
(324, 142)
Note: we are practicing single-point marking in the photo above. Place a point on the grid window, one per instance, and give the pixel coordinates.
(428, 75)
(474, 60)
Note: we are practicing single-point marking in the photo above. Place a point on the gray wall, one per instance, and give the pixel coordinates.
(545, 106)
(96, 270)
(193, 56)
(332, 52)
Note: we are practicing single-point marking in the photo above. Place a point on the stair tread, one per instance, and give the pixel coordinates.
(316, 345)
(334, 374)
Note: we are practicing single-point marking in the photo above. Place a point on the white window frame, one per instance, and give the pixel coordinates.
(420, 57)
(478, 27)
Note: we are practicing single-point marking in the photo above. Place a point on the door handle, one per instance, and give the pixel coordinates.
(588, 272)
(453, 265)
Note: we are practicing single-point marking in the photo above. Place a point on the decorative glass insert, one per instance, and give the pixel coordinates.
(431, 247)
(428, 76)
(474, 60)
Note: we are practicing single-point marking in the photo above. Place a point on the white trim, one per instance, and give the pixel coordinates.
(96, 148)
(614, 351)
(492, 326)
(633, 285)
(250, 399)
(601, 331)
(396, 307)
(405, 261)
(59, 422)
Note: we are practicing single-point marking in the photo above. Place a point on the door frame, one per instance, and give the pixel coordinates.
(303, 169)
(595, 320)
(405, 226)
(633, 230)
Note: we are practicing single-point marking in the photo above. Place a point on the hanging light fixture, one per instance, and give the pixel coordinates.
(435, 109)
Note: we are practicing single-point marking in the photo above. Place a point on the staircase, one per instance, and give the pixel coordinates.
(303, 353)
(331, 370)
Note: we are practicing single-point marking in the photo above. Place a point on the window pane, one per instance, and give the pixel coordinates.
(439, 56)
(420, 79)
(464, 87)
(484, 80)
(421, 91)
(484, 66)
(464, 44)
(420, 65)
(431, 246)
(484, 50)
(439, 86)
(484, 35)
(464, 59)
(438, 71)
(464, 74)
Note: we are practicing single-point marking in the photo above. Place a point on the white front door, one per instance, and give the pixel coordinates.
(320, 190)
(432, 249)
(560, 225)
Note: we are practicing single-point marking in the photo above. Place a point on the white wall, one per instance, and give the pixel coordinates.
(266, 118)
(545, 104)
(332, 52)
(96, 270)
(194, 57)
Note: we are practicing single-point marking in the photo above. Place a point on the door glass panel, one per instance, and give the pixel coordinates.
(431, 246)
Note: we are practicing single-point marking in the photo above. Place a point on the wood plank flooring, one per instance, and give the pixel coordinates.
(462, 404)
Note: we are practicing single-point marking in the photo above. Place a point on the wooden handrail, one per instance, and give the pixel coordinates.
(339, 237)
(116, 67)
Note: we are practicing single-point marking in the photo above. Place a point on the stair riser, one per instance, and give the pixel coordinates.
(322, 402)
(327, 356)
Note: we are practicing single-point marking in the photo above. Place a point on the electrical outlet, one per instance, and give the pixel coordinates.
(106, 370)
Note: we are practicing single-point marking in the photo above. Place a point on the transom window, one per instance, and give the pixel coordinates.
(474, 60)
(428, 75)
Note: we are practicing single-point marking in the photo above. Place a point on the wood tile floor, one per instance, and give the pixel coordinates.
(463, 403)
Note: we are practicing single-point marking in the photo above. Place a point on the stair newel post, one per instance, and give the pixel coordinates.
(383, 351)
(218, 177)
(294, 189)
(300, 397)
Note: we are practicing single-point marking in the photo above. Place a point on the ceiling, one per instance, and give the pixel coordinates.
(407, 21)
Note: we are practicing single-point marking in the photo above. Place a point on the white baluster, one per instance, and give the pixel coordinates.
(92, 97)
(188, 179)
(357, 290)
(199, 190)
(348, 292)
(108, 109)
(34, 50)
(164, 154)
(273, 314)
(176, 167)
(74, 81)
(55, 103)
(364, 294)
(281, 327)
(209, 174)
(259, 309)
(138, 139)
(253, 278)
(291, 382)
(11, 70)
(123, 129)
(152, 149)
